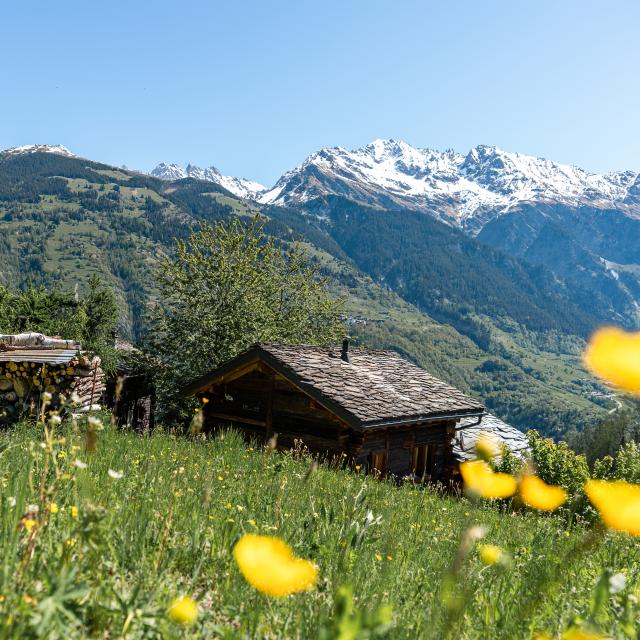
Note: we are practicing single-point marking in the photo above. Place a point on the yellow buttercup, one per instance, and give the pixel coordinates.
(536, 493)
(480, 480)
(614, 356)
(268, 564)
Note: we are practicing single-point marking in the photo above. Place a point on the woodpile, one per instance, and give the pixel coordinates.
(31, 364)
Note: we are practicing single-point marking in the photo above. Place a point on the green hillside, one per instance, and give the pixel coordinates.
(143, 520)
(497, 334)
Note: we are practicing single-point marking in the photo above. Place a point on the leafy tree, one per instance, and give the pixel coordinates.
(606, 437)
(557, 464)
(90, 319)
(226, 287)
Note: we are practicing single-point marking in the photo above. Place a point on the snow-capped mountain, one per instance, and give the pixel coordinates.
(39, 148)
(467, 190)
(238, 186)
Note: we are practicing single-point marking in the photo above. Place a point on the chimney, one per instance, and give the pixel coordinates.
(345, 350)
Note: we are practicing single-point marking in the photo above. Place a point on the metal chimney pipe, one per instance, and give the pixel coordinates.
(345, 350)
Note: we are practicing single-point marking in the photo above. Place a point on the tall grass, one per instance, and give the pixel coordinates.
(168, 525)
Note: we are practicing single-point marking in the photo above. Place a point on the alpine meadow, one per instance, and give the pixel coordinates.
(349, 348)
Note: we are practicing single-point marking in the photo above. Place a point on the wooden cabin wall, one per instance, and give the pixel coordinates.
(398, 444)
(260, 404)
(247, 402)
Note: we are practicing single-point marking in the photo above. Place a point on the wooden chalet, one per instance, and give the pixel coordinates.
(377, 409)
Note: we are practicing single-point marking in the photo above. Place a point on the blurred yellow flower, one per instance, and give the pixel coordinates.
(378, 557)
(617, 502)
(536, 493)
(488, 446)
(574, 633)
(614, 355)
(74, 511)
(268, 564)
(183, 610)
(53, 507)
(480, 480)
(28, 523)
(489, 554)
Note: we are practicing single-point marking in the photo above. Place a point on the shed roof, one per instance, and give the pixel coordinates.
(36, 347)
(44, 356)
(375, 388)
(469, 432)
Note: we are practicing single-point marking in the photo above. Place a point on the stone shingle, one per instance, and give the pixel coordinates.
(374, 386)
(469, 432)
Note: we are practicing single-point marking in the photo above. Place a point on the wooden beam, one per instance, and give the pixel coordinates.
(230, 418)
(254, 365)
(269, 416)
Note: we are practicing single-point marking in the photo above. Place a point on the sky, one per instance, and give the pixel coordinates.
(253, 87)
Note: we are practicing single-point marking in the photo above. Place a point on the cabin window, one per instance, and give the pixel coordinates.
(421, 460)
(377, 462)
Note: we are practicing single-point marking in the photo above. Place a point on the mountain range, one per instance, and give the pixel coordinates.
(463, 190)
(583, 226)
(495, 292)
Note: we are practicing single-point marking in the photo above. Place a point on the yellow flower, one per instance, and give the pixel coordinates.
(490, 554)
(488, 446)
(617, 502)
(536, 493)
(183, 610)
(268, 564)
(614, 356)
(378, 557)
(74, 511)
(480, 480)
(581, 634)
(28, 523)
(53, 507)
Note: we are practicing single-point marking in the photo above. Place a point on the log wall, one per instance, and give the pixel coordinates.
(260, 403)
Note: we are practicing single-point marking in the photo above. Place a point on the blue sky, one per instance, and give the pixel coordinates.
(254, 87)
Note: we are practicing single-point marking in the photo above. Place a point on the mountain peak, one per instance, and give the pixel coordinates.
(39, 148)
(237, 186)
(464, 190)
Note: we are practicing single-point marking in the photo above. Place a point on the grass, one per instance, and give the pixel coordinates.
(168, 527)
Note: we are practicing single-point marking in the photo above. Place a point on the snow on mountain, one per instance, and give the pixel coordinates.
(39, 148)
(462, 189)
(238, 186)
(465, 190)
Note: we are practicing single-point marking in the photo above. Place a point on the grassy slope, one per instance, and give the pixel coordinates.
(169, 525)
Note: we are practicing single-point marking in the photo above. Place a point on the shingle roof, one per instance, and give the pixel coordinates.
(373, 388)
(469, 432)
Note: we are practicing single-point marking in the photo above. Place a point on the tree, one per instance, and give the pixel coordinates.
(609, 435)
(227, 286)
(90, 318)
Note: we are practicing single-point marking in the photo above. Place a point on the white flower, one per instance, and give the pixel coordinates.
(75, 398)
(617, 582)
(80, 464)
(94, 422)
(12, 501)
(55, 420)
(116, 475)
(46, 397)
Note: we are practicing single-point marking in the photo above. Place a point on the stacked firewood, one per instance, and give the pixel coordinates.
(22, 384)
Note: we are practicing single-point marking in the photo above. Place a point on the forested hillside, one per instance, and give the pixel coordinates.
(491, 324)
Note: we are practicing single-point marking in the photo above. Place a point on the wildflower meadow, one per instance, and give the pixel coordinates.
(105, 533)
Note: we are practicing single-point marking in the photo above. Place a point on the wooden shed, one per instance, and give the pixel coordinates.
(379, 410)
